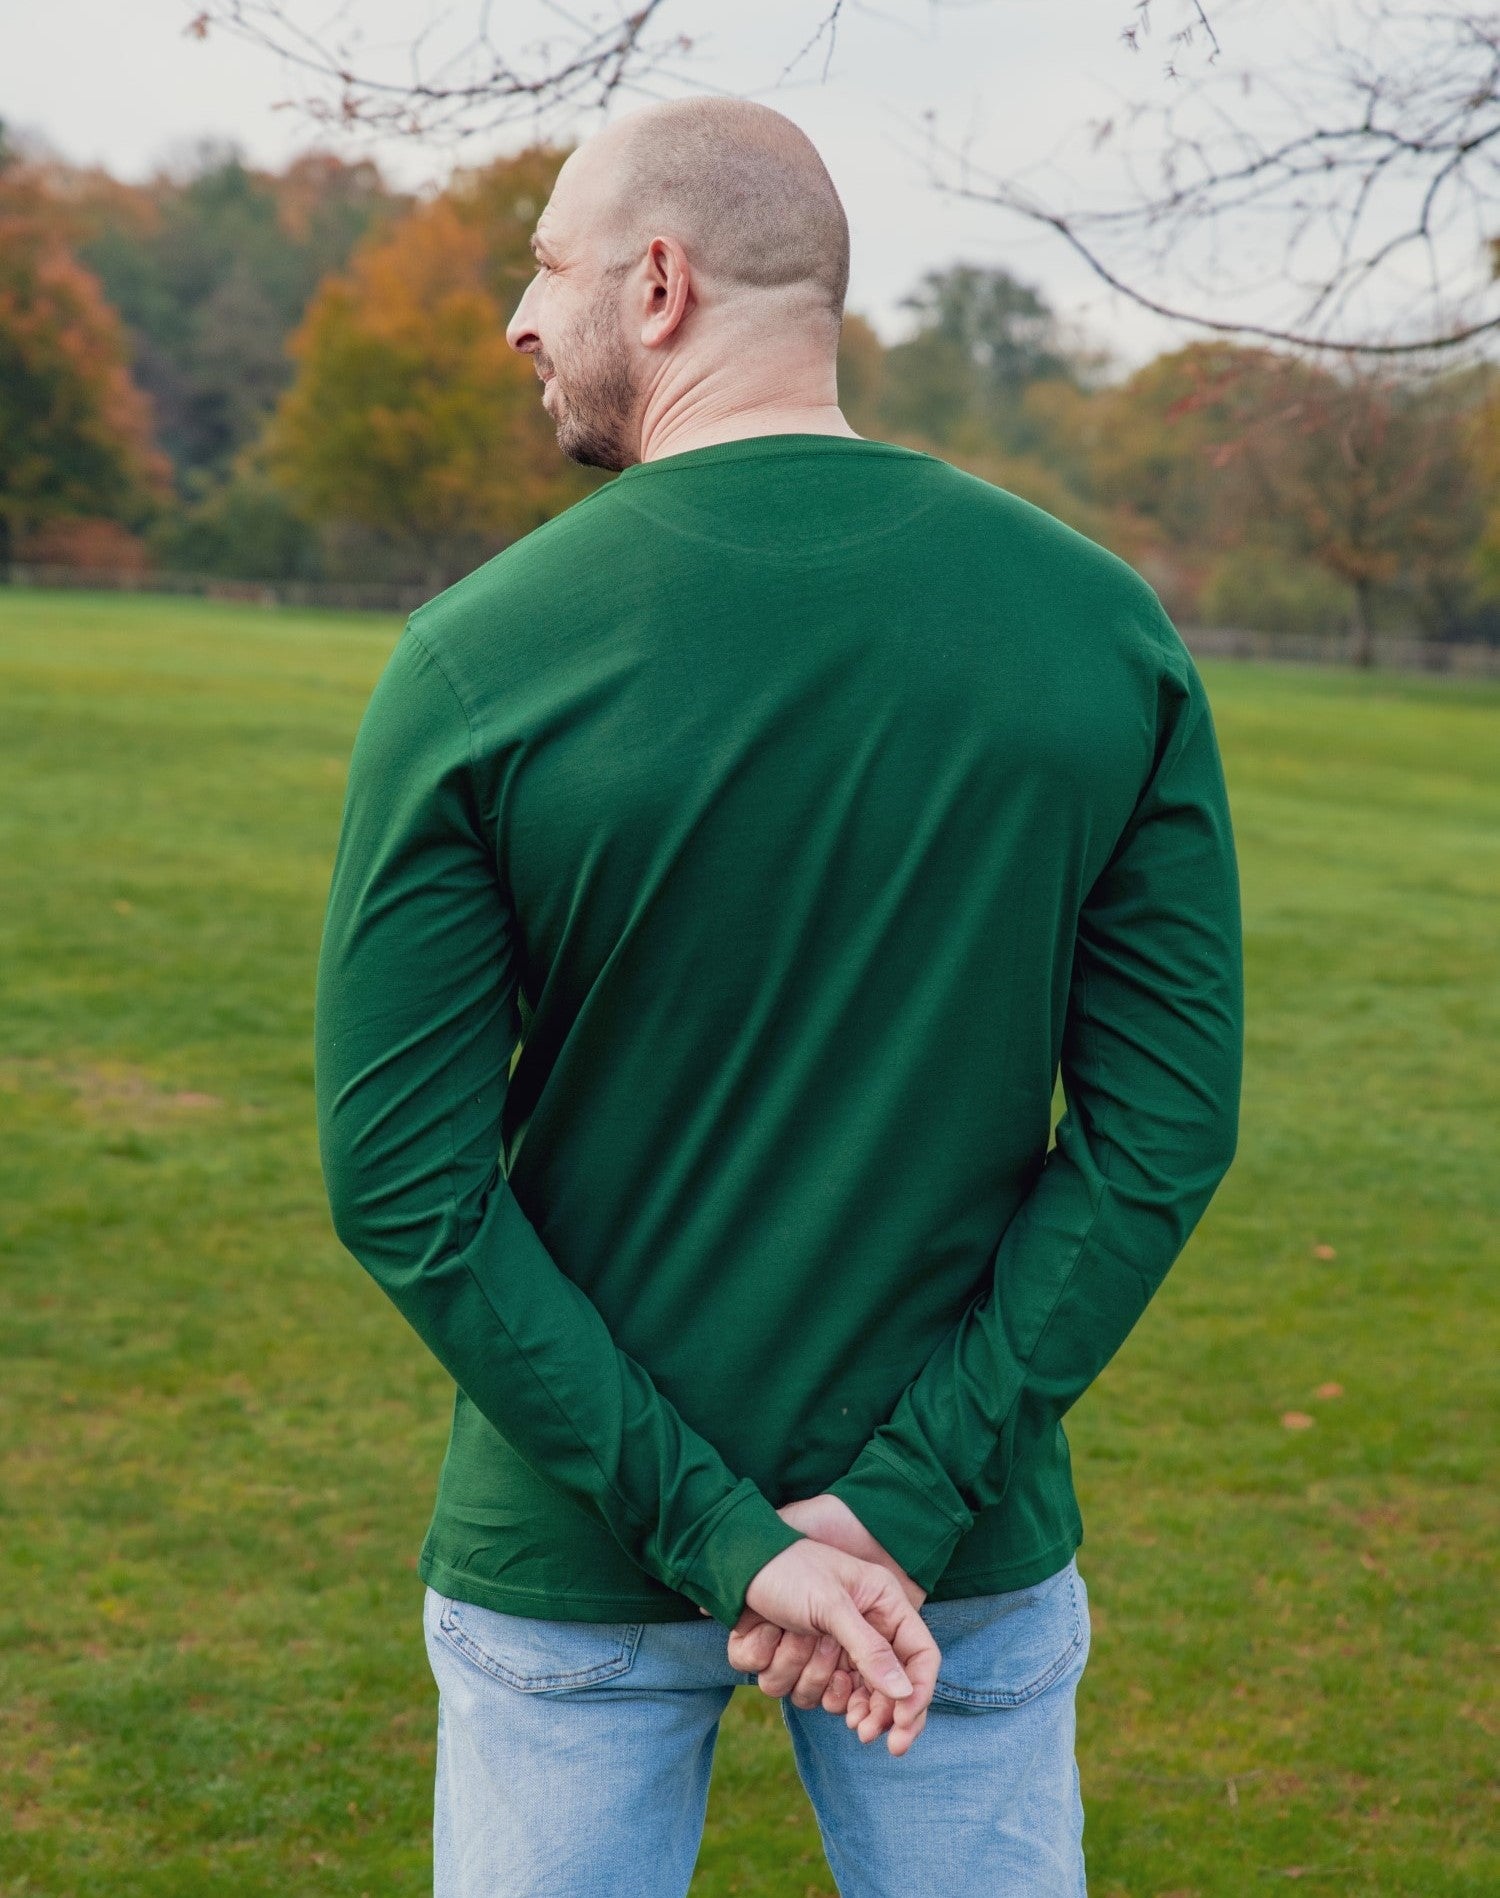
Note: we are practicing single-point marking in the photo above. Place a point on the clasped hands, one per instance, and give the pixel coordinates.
(833, 1620)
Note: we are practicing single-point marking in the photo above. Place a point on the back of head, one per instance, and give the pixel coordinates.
(741, 187)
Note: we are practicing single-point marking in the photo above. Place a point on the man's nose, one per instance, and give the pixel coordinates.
(519, 331)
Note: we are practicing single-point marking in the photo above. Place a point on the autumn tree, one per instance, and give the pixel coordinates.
(1161, 444)
(1363, 472)
(75, 436)
(1373, 467)
(411, 415)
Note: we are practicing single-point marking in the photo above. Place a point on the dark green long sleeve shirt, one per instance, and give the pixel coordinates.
(802, 806)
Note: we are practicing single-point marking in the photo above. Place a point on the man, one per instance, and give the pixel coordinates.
(803, 806)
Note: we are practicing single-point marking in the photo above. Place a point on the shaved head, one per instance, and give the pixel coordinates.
(738, 184)
(692, 263)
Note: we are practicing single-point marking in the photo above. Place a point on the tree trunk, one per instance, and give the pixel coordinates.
(1363, 653)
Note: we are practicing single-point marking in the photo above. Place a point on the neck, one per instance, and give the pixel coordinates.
(700, 422)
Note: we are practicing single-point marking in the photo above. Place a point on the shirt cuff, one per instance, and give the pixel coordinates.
(902, 1516)
(741, 1538)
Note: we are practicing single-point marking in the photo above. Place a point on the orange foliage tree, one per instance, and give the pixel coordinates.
(410, 414)
(1362, 472)
(75, 432)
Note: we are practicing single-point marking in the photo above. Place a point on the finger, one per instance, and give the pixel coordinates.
(752, 1650)
(836, 1693)
(903, 1720)
(883, 1717)
(841, 1683)
(920, 1656)
(793, 1652)
(809, 1688)
(868, 1648)
(878, 1718)
(859, 1703)
(902, 1739)
(896, 1617)
(747, 1639)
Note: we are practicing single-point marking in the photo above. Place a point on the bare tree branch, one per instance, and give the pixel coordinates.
(1383, 150)
(1197, 21)
(472, 88)
(1375, 157)
(828, 25)
(476, 86)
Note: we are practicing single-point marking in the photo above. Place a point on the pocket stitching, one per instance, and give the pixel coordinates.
(459, 1638)
(1006, 1697)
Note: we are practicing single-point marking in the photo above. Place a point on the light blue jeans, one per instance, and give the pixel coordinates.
(573, 1757)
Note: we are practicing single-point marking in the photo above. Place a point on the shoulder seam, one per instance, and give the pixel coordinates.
(410, 632)
(1160, 619)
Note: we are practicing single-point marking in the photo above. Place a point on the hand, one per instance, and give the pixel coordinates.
(813, 1589)
(819, 1668)
(868, 1711)
(814, 1671)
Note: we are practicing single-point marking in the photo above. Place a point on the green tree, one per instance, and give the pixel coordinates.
(212, 269)
(861, 374)
(983, 339)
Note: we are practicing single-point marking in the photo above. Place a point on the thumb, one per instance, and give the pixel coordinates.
(870, 1652)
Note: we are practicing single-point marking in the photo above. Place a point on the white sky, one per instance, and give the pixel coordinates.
(1014, 82)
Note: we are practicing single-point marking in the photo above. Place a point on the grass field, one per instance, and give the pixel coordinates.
(219, 1441)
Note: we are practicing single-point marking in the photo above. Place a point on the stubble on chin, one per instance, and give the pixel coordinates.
(595, 421)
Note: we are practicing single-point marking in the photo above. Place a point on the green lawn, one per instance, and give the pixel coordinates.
(219, 1441)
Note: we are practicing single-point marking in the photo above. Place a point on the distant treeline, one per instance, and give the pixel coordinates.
(303, 376)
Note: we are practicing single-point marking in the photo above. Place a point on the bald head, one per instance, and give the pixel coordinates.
(739, 185)
(692, 262)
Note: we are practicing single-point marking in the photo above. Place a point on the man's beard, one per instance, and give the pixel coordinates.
(597, 410)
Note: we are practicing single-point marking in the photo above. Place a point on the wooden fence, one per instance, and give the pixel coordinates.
(1227, 642)
(1390, 652)
(375, 596)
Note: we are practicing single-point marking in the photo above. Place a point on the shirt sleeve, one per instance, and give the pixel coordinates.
(1151, 1068)
(416, 1021)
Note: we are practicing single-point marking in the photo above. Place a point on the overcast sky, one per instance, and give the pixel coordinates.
(1016, 82)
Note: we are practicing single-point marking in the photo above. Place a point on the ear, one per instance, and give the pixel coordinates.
(669, 291)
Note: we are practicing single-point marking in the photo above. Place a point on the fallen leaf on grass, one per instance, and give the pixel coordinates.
(1329, 1390)
(1296, 1420)
(1322, 1252)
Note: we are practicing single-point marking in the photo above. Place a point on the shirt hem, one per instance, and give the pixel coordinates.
(577, 1605)
(993, 1581)
(511, 1598)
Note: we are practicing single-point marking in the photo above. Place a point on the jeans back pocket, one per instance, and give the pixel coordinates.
(536, 1655)
(1001, 1650)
